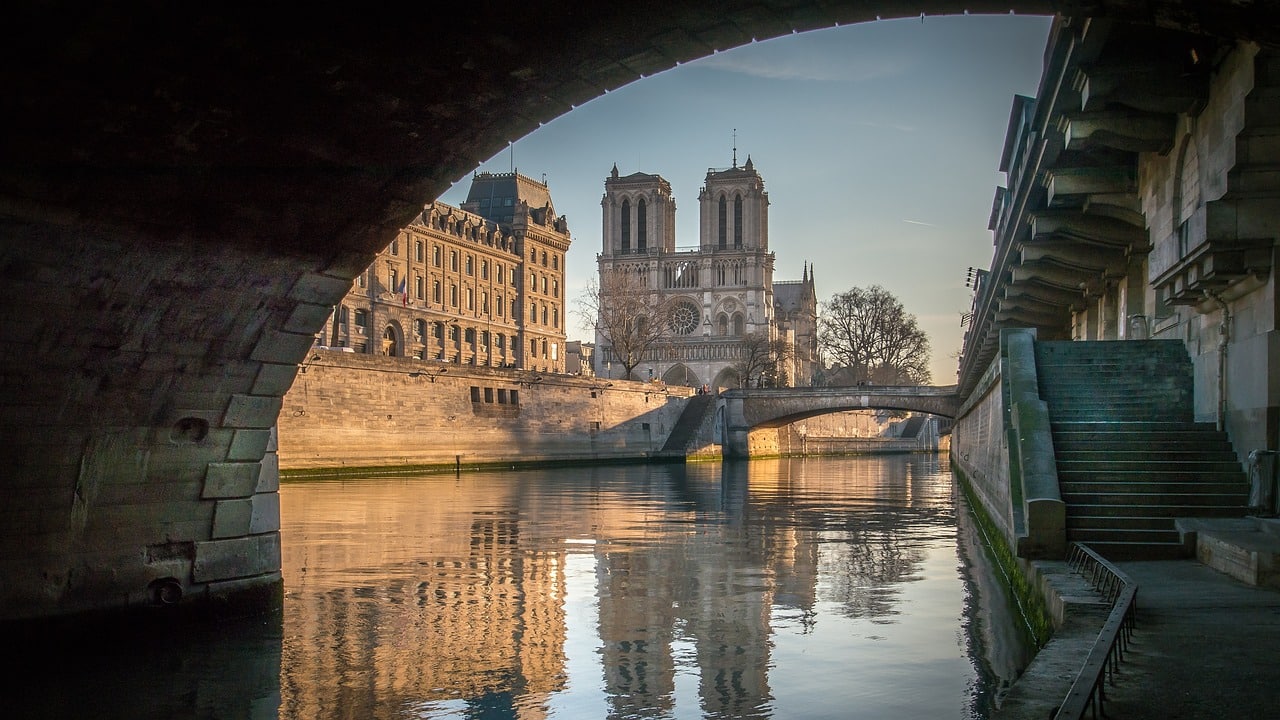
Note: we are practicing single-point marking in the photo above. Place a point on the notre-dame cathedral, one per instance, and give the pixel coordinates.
(722, 289)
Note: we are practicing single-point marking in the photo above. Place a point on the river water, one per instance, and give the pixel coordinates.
(794, 588)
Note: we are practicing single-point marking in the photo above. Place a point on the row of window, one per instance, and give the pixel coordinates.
(469, 260)
(501, 396)
(466, 264)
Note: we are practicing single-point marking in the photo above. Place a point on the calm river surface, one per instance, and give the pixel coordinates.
(795, 588)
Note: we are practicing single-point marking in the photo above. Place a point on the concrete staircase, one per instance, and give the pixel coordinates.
(686, 427)
(1130, 457)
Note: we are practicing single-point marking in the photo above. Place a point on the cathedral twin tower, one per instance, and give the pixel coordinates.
(722, 289)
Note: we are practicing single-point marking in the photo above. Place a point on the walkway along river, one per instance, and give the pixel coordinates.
(791, 588)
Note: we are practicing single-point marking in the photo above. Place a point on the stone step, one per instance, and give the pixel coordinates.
(1136, 427)
(1135, 522)
(1126, 452)
(1178, 466)
(1136, 498)
(1120, 551)
(1121, 369)
(1154, 487)
(1103, 415)
(1155, 511)
(1106, 442)
(1161, 476)
(1129, 535)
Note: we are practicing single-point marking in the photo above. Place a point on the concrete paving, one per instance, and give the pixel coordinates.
(1206, 645)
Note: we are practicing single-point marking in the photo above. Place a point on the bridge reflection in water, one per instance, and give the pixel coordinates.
(764, 589)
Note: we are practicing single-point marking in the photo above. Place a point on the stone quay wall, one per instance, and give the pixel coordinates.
(980, 450)
(349, 412)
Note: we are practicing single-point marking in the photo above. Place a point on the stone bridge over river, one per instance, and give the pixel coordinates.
(187, 189)
(742, 410)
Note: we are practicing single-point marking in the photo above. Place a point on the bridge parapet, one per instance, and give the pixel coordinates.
(744, 409)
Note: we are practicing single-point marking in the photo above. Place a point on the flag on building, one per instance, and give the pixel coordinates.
(403, 290)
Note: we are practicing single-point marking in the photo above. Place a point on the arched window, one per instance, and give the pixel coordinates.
(626, 226)
(642, 226)
(737, 221)
(739, 327)
(722, 325)
(722, 226)
(390, 347)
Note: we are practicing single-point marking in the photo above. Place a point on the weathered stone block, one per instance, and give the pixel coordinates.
(231, 480)
(252, 411)
(238, 557)
(232, 518)
(249, 444)
(266, 513)
(274, 379)
(307, 318)
(325, 289)
(269, 477)
(276, 346)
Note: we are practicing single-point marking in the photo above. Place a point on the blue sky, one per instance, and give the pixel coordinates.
(879, 145)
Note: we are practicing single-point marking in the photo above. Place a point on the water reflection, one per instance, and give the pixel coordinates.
(775, 588)
(803, 588)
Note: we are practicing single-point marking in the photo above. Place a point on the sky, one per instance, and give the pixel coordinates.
(879, 145)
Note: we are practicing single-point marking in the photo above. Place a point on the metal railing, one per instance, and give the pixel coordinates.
(1088, 691)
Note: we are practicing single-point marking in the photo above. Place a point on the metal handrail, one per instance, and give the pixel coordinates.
(1103, 662)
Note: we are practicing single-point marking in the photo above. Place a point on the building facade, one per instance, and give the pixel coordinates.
(721, 290)
(481, 284)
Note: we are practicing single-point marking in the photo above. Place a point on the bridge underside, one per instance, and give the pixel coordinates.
(186, 190)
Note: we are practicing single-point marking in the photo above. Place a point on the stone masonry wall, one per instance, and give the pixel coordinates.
(349, 411)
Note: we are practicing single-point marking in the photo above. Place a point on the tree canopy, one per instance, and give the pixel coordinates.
(868, 331)
(629, 318)
(761, 359)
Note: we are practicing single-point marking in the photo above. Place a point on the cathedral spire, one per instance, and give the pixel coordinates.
(735, 147)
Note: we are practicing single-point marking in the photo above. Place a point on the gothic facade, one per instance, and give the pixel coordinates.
(721, 289)
(481, 284)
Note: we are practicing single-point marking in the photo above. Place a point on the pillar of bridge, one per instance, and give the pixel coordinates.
(735, 429)
(142, 381)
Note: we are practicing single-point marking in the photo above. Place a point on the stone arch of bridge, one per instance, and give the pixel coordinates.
(782, 420)
(200, 223)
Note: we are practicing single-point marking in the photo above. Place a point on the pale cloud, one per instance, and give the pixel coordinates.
(773, 66)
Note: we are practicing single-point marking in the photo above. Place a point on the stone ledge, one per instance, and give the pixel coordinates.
(1247, 549)
(1079, 613)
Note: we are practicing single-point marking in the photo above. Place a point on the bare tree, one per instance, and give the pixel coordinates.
(629, 319)
(762, 359)
(869, 332)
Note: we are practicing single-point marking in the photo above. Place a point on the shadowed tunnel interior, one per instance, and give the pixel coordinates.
(186, 191)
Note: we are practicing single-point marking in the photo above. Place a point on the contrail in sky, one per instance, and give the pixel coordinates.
(917, 222)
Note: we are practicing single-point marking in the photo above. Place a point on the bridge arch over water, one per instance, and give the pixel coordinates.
(742, 410)
(183, 199)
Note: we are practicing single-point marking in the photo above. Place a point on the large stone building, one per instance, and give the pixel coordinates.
(722, 289)
(481, 284)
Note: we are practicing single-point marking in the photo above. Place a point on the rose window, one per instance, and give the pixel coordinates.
(684, 319)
